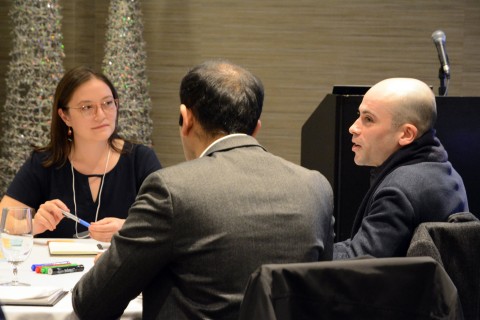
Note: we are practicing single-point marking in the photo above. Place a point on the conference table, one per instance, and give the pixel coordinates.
(62, 309)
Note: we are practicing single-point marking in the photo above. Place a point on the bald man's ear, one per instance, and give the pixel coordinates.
(408, 134)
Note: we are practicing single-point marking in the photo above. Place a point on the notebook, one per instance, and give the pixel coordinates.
(75, 248)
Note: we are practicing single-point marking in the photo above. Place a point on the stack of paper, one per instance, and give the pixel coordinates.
(31, 296)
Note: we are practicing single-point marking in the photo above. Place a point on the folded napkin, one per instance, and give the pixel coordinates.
(30, 295)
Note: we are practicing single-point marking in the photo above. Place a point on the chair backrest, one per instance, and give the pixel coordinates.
(383, 288)
(456, 246)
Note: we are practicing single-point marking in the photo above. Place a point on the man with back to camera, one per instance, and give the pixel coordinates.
(200, 228)
(412, 182)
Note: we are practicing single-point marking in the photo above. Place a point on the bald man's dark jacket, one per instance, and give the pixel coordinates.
(416, 184)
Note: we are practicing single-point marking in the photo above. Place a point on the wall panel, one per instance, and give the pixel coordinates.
(300, 49)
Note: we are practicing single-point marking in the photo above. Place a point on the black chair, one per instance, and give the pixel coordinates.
(2, 316)
(455, 245)
(370, 288)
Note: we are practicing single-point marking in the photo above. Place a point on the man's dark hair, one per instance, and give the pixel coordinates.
(224, 98)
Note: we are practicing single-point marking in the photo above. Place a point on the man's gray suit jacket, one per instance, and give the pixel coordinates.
(200, 228)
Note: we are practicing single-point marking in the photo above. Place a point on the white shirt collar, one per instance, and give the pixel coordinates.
(221, 139)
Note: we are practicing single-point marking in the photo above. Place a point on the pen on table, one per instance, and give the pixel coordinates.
(75, 218)
(66, 269)
(38, 266)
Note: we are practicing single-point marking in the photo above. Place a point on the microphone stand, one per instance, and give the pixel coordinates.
(442, 90)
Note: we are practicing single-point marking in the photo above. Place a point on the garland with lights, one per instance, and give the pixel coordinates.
(125, 63)
(35, 67)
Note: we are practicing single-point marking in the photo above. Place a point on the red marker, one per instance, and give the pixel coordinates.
(38, 267)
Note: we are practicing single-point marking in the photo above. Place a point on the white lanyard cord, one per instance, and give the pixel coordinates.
(99, 193)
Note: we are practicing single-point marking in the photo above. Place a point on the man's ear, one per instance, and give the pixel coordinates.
(187, 120)
(408, 134)
(64, 117)
(257, 128)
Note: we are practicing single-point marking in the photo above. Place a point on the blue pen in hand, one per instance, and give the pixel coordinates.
(75, 218)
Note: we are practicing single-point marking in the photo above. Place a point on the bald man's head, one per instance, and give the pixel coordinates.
(409, 101)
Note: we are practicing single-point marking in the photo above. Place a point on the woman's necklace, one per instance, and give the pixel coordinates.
(99, 192)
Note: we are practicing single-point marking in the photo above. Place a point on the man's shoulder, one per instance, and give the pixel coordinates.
(419, 173)
(177, 171)
(261, 159)
(422, 168)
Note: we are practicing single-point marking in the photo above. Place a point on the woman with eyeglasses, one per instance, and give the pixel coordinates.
(83, 182)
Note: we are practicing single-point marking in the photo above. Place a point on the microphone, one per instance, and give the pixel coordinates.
(438, 38)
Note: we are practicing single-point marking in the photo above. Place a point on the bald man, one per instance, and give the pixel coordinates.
(412, 180)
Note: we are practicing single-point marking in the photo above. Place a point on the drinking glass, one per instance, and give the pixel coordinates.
(16, 238)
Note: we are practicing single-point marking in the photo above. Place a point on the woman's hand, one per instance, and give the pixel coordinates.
(48, 216)
(103, 230)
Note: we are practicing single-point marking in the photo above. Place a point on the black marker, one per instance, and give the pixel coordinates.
(66, 269)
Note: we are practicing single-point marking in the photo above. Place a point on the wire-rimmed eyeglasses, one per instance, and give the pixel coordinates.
(90, 109)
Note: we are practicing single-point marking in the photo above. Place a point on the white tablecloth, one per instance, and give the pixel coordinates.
(63, 309)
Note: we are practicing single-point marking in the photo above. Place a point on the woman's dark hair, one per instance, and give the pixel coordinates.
(59, 147)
